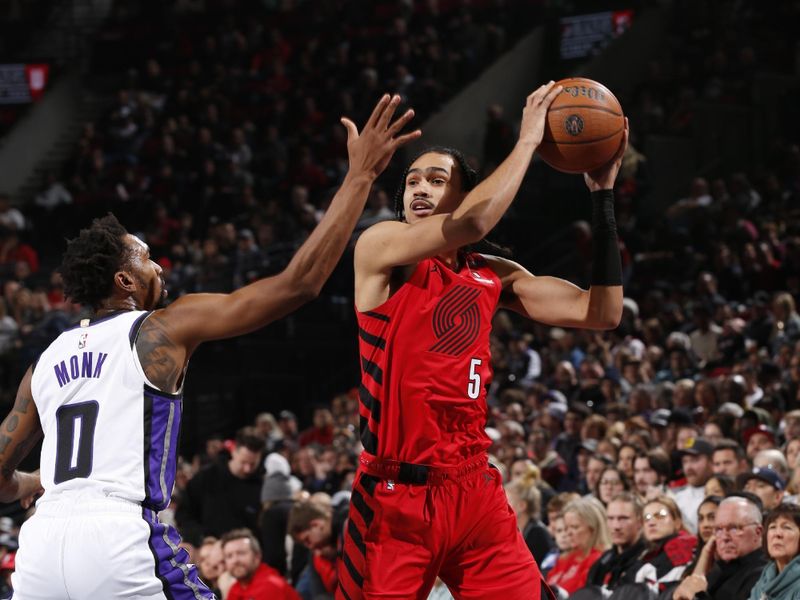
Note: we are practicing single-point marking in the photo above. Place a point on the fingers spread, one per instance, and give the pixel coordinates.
(404, 139)
(388, 113)
(401, 122)
(378, 111)
(352, 130)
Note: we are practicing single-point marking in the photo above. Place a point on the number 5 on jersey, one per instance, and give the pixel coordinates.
(474, 384)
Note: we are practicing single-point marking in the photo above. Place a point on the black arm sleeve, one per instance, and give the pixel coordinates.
(606, 263)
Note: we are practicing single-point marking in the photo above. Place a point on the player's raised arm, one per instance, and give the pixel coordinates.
(19, 433)
(199, 317)
(433, 189)
(557, 302)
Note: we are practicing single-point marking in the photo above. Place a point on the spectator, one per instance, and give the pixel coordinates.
(757, 438)
(225, 495)
(254, 579)
(651, 471)
(619, 564)
(526, 501)
(696, 461)
(670, 547)
(588, 534)
(612, 481)
(211, 565)
(781, 579)
(719, 485)
(276, 503)
(728, 459)
(732, 561)
(766, 484)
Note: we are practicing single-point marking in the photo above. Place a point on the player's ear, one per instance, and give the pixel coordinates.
(124, 281)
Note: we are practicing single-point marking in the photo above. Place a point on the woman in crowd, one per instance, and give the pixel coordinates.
(526, 500)
(719, 485)
(589, 538)
(671, 547)
(781, 579)
(612, 482)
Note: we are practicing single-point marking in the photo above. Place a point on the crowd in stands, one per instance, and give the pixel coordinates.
(657, 459)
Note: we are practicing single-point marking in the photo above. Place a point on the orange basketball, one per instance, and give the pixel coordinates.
(584, 127)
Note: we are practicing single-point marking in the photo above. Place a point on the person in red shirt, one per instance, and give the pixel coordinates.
(425, 501)
(588, 532)
(254, 579)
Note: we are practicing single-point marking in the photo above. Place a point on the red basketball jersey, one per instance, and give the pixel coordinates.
(426, 365)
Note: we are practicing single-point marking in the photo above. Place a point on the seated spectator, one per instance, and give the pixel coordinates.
(766, 484)
(526, 500)
(720, 485)
(612, 481)
(254, 579)
(651, 471)
(588, 532)
(320, 528)
(696, 460)
(619, 564)
(728, 459)
(731, 562)
(670, 547)
(563, 544)
(211, 566)
(781, 579)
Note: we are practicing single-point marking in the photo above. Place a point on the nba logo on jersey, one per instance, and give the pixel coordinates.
(82, 341)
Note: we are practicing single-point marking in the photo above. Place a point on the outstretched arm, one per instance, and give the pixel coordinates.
(391, 243)
(558, 302)
(19, 433)
(169, 336)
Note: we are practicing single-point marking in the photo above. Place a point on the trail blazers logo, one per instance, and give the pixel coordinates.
(456, 321)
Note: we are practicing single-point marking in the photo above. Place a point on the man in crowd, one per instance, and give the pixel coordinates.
(756, 439)
(225, 495)
(764, 483)
(253, 578)
(728, 568)
(696, 461)
(728, 459)
(651, 472)
(619, 564)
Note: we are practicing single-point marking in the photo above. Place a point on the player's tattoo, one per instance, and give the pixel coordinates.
(19, 452)
(22, 404)
(158, 354)
(11, 423)
(4, 442)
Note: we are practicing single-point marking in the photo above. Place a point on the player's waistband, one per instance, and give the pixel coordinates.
(65, 506)
(417, 474)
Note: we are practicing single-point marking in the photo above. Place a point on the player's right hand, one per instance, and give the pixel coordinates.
(371, 150)
(534, 114)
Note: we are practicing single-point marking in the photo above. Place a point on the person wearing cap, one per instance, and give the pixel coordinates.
(728, 459)
(287, 422)
(758, 438)
(732, 560)
(766, 484)
(696, 461)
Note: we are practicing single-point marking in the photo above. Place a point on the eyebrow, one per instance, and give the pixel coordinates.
(429, 169)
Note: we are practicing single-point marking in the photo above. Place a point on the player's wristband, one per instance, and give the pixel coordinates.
(606, 263)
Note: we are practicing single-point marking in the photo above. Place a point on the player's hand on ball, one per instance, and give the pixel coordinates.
(604, 177)
(531, 128)
(371, 150)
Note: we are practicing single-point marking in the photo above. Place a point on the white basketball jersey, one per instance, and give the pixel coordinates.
(106, 428)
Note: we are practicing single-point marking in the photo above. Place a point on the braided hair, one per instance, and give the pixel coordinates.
(469, 179)
(92, 259)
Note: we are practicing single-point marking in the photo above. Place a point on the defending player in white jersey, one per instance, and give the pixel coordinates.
(106, 395)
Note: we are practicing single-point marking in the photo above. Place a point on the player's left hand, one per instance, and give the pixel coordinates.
(604, 177)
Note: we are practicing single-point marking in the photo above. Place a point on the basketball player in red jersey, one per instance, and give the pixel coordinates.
(425, 502)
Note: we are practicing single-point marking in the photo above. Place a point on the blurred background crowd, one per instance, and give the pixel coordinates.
(221, 147)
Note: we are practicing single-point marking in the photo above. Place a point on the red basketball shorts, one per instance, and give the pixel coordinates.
(400, 537)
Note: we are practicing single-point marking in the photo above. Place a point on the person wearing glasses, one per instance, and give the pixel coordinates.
(732, 560)
(670, 547)
(612, 481)
(781, 579)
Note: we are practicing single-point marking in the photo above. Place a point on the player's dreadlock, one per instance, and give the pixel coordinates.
(91, 260)
(469, 179)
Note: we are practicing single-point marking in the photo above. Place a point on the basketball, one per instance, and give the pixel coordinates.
(584, 127)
